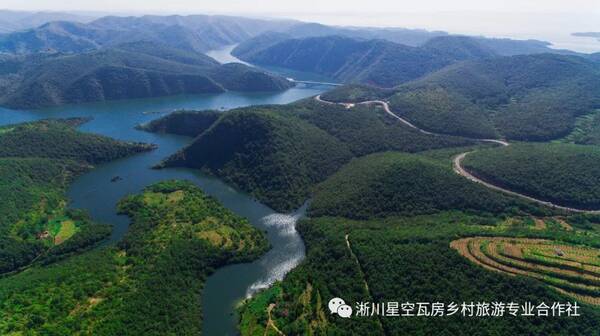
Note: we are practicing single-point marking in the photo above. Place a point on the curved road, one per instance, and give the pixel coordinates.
(458, 159)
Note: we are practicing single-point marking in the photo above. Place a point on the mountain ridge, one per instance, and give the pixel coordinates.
(137, 70)
(377, 62)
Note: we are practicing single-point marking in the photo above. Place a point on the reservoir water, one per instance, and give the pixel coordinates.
(95, 192)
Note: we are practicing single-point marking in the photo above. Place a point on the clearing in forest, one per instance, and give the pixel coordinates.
(571, 269)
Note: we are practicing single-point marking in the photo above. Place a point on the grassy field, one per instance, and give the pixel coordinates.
(67, 229)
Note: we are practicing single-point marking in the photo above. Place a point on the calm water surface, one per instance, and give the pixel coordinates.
(95, 192)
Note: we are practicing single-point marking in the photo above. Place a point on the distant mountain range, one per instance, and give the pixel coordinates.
(526, 97)
(595, 35)
(115, 57)
(132, 70)
(410, 37)
(377, 62)
(380, 61)
(195, 33)
(27, 32)
(20, 20)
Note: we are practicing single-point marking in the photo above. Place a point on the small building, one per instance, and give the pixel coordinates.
(43, 235)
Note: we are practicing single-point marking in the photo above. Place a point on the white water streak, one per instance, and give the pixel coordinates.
(284, 262)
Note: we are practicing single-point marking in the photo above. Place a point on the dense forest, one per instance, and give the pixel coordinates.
(534, 97)
(586, 131)
(188, 123)
(565, 174)
(150, 284)
(356, 93)
(388, 184)
(37, 161)
(388, 219)
(278, 153)
(367, 129)
(276, 158)
(60, 140)
(403, 259)
(374, 61)
(491, 98)
(133, 70)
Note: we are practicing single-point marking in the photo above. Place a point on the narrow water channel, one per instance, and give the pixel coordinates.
(95, 193)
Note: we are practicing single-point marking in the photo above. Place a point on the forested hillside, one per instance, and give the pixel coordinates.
(565, 174)
(406, 260)
(58, 139)
(189, 123)
(534, 97)
(135, 70)
(278, 153)
(367, 129)
(376, 62)
(37, 161)
(356, 93)
(276, 158)
(410, 37)
(392, 184)
(386, 210)
(150, 284)
(586, 130)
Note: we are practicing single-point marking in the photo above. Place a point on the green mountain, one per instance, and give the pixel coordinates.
(57, 36)
(27, 33)
(134, 70)
(189, 123)
(410, 37)
(510, 47)
(367, 129)
(276, 158)
(392, 184)
(37, 161)
(376, 62)
(356, 93)
(565, 174)
(532, 97)
(253, 46)
(59, 140)
(279, 153)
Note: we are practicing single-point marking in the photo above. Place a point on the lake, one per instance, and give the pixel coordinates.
(95, 192)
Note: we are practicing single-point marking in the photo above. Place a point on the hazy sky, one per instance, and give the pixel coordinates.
(552, 20)
(258, 6)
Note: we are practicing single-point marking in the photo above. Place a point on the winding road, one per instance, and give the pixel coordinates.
(458, 159)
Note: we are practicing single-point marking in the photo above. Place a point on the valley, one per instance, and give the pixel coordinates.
(118, 120)
(220, 175)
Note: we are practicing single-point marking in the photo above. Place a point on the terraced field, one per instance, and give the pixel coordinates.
(570, 269)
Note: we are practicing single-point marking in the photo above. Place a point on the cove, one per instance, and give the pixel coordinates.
(95, 193)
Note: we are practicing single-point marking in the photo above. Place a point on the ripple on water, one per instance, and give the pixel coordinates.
(286, 259)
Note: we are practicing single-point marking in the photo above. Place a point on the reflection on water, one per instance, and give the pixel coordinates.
(290, 255)
(224, 56)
